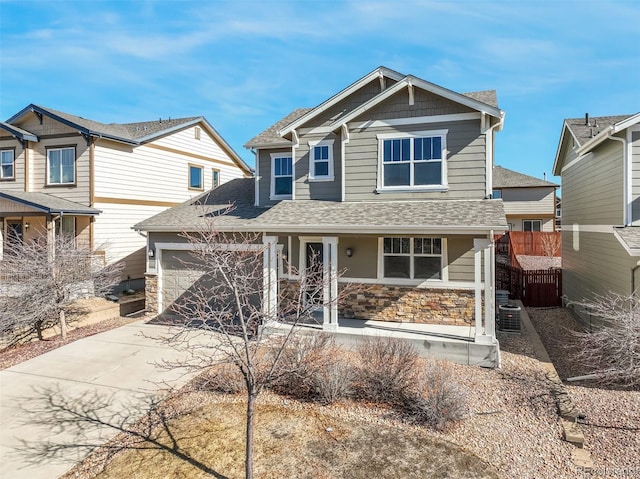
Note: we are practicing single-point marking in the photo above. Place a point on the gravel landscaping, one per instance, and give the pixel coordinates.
(513, 424)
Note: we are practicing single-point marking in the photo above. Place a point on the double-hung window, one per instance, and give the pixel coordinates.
(196, 180)
(412, 258)
(215, 178)
(531, 225)
(61, 163)
(7, 165)
(321, 160)
(281, 175)
(415, 161)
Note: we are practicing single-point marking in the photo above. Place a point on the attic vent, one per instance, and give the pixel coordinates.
(197, 132)
(586, 119)
(146, 128)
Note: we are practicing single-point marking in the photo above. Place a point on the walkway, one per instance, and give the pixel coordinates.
(110, 377)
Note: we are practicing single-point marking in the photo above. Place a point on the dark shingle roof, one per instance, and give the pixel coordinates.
(270, 135)
(48, 203)
(327, 216)
(584, 132)
(146, 128)
(505, 178)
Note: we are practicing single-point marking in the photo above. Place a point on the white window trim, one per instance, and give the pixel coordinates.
(48, 172)
(312, 175)
(444, 186)
(272, 195)
(444, 264)
(13, 164)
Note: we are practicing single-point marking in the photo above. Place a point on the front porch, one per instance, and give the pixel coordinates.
(467, 337)
(454, 343)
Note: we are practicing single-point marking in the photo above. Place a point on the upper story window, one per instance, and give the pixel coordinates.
(496, 194)
(321, 160)
(281, 176)
(412, 160)
(195, 177)
(215, 178)
(412, 258)
(7, 165)
(61, 166)
(531, 225)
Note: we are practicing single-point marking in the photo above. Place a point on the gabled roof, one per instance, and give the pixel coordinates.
(48, 203)
(275, 135)
(270, 136)
(130, 133)
(506, 178)
(18, 132)
(590, 132)
(313, 216)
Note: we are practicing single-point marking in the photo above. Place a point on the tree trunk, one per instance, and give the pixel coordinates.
(248, 459)
(63, 324)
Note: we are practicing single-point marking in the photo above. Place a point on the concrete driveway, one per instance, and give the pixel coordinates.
(79, 394)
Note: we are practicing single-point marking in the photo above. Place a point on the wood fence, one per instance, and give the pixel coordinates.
(537, 288)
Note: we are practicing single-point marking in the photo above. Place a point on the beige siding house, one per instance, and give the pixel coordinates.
(63, 173)
(598, 159)
(389, 181)
(529, 202)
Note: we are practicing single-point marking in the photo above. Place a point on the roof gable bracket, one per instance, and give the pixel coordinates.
(483, 122)
(411, 97)
(345, 132)
(38, 114)
(295, 139)
(86, 136)
(383, 81)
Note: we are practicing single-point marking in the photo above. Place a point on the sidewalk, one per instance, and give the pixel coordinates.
(110, 377)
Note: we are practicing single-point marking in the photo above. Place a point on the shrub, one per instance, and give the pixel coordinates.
(311, 368)
(388, 368)
(435, 399)
(224, 378)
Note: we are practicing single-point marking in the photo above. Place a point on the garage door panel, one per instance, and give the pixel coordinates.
(181, 279)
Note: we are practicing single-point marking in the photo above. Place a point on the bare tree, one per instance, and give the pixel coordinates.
(40, 281)
(227, 297)
(613, 349)
(551, 244)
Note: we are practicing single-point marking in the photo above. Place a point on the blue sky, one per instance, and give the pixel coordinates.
(246, 64)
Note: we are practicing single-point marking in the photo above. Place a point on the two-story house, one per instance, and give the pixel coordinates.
(389, 180)
(61, 173)
(529, 202)
(598, 159)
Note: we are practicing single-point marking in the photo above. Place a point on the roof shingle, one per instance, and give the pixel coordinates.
(506, 178)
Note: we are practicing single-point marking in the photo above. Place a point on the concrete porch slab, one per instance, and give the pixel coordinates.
(453, 343)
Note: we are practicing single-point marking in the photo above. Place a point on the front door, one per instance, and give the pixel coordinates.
(313, 264)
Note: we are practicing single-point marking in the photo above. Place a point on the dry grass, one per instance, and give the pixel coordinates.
(291, 442)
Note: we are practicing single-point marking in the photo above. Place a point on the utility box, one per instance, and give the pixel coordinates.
(509, 318)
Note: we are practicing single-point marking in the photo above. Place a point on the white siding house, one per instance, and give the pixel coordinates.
(116, 174)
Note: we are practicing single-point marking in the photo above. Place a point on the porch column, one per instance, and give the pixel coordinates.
(330, 283)
(270, 278)
(484, 322)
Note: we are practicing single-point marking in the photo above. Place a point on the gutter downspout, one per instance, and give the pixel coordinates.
(627, 181)
(488, 132)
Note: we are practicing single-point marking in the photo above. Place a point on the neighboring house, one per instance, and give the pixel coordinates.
(599, 162)
(558, 213)
(388, 180)
(61, 173)
(529, 202)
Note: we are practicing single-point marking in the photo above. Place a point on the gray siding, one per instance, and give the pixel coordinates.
(264, 174)
(461, 258)
(466, 156)
(364, 262)
(425, 104)
(307, 189)
(599, 265)
(593, 188)
(635, 182)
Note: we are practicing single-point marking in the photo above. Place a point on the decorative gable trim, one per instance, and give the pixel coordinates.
(378, 73)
